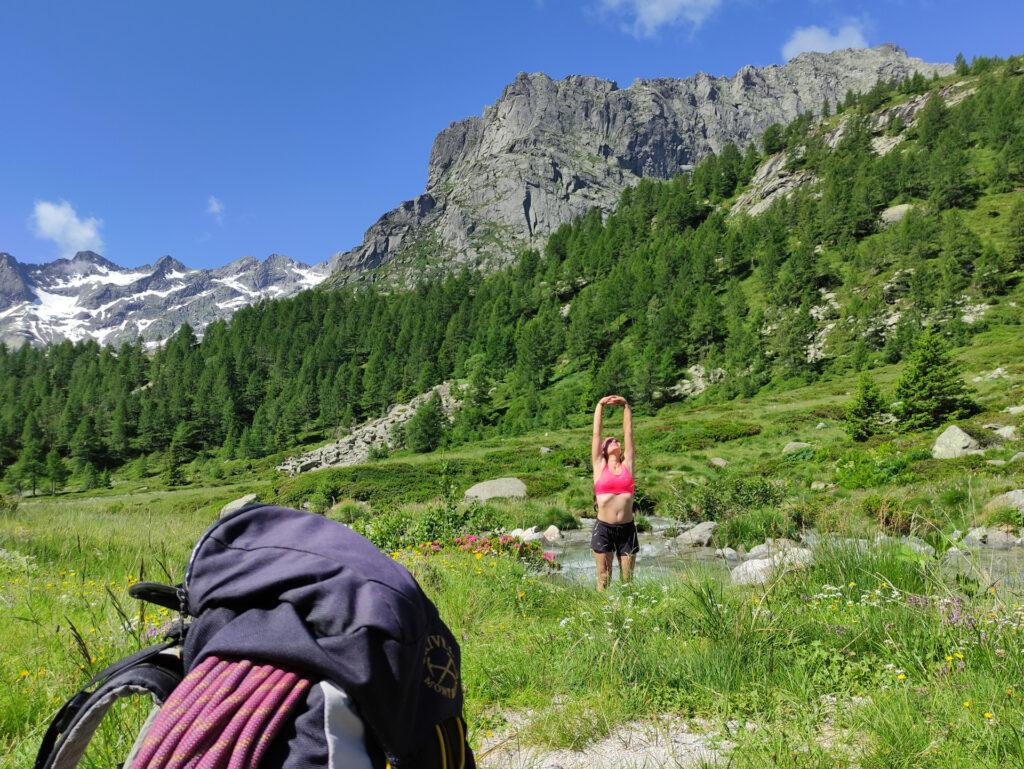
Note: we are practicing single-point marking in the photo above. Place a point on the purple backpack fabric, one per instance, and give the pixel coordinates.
(283, 587)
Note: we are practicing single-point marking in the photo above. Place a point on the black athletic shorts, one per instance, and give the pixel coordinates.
(619, 538)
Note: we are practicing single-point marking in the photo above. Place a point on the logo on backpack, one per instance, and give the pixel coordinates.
(439, 662)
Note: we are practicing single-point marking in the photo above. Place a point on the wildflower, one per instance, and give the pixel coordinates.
(520, 594)
(23, 674)
(967, 703)
(1009, 692)
(949, 658)
(852, 584)
(901, 677)
(988, 715)
(479, 556)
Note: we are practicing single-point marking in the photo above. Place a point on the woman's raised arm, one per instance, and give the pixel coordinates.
(627, 430)
(595, 441)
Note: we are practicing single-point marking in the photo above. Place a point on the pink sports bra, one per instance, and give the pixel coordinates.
(610, 483)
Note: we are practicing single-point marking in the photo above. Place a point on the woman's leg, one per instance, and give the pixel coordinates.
(626, 564)
(604, 569)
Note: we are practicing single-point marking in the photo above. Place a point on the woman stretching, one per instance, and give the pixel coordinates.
(615, 530)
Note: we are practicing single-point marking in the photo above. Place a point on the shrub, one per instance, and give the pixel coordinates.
(317, 502)
(642, 523)
(8, 505)
(348, 512)
(379, 451)
(1004, 516)
(715, 501)
(859, 469)
(754, 527)
(554, 516)
(387, 530)
(891, 514)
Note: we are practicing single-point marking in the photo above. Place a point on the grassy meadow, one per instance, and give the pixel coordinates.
(871, 657)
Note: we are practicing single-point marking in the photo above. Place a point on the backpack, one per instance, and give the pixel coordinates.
(375, 672)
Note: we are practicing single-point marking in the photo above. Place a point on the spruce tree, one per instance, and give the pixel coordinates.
(931, 389)
(425, 429)
(773, 140)
(1015, 236)
(56, 471)
(862, 415)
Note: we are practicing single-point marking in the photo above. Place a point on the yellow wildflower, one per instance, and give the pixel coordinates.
(949, 658)
(479, 556)
(967, 703)
(852, 584)
(988, 715)
(901, 677)
(23, 674)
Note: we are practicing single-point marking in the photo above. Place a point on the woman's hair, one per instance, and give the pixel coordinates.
(604, 446)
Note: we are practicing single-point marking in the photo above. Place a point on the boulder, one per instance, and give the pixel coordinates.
(552, 533)
(718, 463)
(989, 539)
(698, 536)
(1014, 409)
(760, 570)
(1014, 499)
(954, 443)
(238, 504)
(1007, 433)
(896, 213)
(498, 488)
(820, 426)
(752, 572)
(527, 535)
(545, 450)
(793, 446)
(818, 485)
(769, 548)
(1017, 457)
(995, 462)
(727, 553)
(919, 546)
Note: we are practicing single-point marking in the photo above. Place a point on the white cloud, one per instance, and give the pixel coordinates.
(646, 17)
(215, 209)
(59, 222)
(850, 35)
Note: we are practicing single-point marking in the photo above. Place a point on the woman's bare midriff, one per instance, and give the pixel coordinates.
(615, 508)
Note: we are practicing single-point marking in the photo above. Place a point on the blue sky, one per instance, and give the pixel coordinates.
(214, 130)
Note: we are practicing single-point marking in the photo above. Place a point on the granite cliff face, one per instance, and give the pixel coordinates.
(549, 150)
(89, 297)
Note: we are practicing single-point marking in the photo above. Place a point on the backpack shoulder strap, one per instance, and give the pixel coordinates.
(154, 671)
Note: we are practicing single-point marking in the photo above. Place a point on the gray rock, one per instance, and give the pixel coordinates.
(718, 462)
(918, 545)
(545, 450)
(1017, 457)
(549, 150)
(770, 547)
(552, 533)
(818, 485)
(528, 535)
(1007, 432)
(698, 536)
(955, 443)
(755, 572)
(793, 446)
(699, 381)
(995, 462)
(727, 553)
(498, 488)
(1012, 499)
(894, 214)
(821, 426)
(238, 504)
(1014, 410)
(988, 538)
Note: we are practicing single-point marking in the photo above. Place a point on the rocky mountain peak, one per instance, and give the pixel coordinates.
(549, 150)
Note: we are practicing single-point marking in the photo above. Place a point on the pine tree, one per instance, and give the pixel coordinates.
(960, 65)
(862, 415)
(1015, 236)
(56, 471)
(425, 429)
(773, 140)
(931, 389)
(932, 120)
